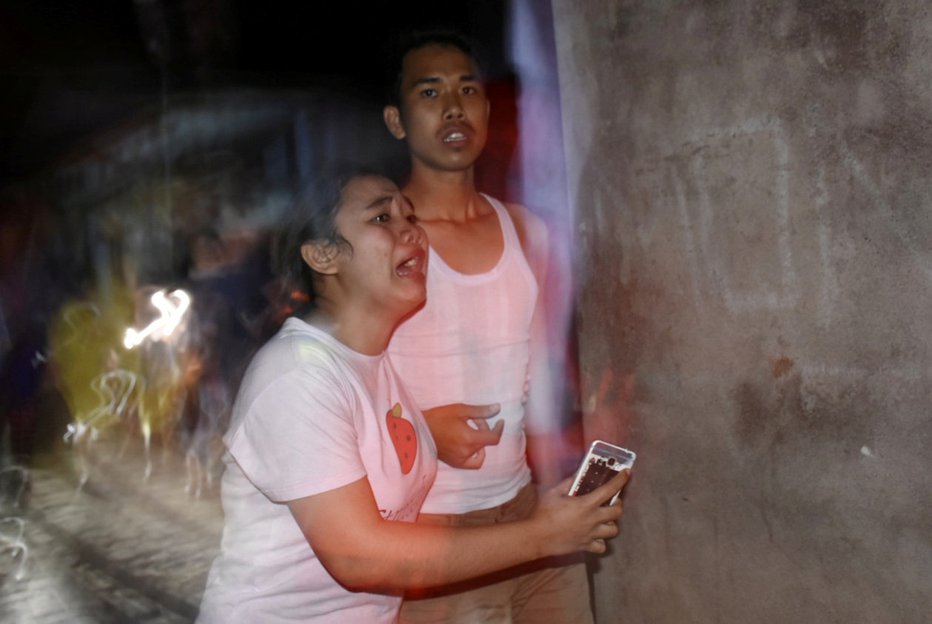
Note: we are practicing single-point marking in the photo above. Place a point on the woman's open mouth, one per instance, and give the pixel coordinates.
(414, 265)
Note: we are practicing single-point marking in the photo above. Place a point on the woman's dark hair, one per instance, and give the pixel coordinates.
(312, 219)
(415, 40)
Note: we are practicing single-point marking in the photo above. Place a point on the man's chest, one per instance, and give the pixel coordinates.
(471, 247)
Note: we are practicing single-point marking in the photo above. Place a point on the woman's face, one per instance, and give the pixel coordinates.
(385, 264)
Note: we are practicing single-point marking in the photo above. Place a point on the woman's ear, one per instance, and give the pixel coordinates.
(392, 117)
(321, 256)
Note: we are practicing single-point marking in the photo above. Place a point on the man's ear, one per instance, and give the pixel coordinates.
(321, 256)
(392, 117)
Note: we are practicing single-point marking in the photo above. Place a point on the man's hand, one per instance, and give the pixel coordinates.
(461, 432)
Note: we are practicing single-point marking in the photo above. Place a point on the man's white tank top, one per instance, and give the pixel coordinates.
(470, 344)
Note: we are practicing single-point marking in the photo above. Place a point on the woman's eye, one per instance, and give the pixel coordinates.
(382, 218)
(469, 90)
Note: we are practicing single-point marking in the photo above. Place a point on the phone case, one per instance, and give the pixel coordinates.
(601, 463)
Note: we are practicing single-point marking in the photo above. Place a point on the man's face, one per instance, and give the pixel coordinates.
(443, 112)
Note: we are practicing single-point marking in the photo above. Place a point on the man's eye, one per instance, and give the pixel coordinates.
(470, 90)
(382, 218)
(429, 92)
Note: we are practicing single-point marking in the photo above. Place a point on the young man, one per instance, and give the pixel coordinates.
(476, 351)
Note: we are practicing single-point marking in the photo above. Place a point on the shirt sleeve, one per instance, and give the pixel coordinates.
(297, 438)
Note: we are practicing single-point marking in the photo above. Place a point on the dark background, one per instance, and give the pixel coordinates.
(71, 69)
(134, 133)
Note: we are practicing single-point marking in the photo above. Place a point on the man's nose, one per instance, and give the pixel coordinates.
(453, 108)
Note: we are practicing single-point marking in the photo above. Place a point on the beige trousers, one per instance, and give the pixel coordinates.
(552, 591)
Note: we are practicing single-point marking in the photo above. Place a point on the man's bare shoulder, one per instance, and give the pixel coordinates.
(532, 230)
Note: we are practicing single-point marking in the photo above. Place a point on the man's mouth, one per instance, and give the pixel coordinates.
(455, 134)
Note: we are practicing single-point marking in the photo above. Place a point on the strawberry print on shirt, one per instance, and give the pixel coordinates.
(403, 437)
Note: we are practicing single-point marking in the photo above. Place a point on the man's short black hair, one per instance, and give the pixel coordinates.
(415, 40)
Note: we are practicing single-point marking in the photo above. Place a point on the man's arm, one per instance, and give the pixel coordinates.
(547, 447)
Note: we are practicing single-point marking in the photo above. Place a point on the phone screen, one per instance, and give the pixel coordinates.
(597, 473)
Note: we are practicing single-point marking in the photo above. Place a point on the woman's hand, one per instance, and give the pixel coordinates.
(569, 524)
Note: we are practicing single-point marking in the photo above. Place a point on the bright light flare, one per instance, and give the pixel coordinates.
(172, 308)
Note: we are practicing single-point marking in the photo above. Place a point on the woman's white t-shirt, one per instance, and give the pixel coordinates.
(311, 416)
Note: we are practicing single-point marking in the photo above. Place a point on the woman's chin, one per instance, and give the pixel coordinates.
(412, 303)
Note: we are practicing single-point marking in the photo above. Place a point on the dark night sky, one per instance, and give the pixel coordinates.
(70, 69)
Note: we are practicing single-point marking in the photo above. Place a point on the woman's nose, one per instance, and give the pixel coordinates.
(411, 232)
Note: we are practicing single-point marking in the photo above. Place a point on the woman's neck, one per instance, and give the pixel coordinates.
(364, 333)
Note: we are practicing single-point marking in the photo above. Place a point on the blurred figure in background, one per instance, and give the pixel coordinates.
(32, 283)
(98, 378)
(217, 354)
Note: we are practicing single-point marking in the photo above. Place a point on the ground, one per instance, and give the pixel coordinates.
(122, 548)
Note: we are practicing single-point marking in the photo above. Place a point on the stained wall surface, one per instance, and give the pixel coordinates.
(752, 184)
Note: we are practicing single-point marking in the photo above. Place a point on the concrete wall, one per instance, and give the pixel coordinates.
(753, 195)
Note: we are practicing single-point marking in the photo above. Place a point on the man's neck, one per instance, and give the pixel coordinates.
(443, 195)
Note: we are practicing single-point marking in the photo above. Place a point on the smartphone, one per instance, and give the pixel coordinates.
(601, 463)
